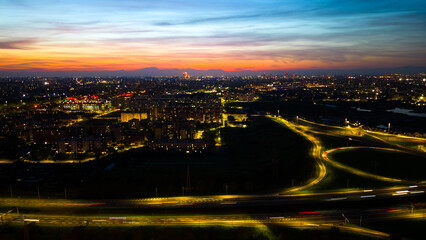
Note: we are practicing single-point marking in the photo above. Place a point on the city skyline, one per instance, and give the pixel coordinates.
(231, 36)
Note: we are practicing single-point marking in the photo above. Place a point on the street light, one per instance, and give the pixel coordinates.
(388, 130)
(346, 129)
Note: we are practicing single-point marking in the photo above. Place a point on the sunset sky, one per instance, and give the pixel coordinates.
(219, 34)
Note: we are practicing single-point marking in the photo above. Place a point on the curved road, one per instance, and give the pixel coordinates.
(363, 173)
(49, 208)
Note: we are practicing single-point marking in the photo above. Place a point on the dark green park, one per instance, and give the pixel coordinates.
(262, 157)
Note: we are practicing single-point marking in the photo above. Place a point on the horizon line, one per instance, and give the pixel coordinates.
(213, 72)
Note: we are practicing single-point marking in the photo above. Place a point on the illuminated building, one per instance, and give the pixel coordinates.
(82, 145)
(127, 116)
(179, 144)
(185, 75)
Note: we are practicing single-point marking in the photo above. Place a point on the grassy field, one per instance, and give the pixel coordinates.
(262, 157)
(334, 113)
(411, 229)
(336, 179)
(329, 142)
(384, 163)
(415, 145)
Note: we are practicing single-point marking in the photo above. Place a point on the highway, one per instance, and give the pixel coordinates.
(284, 200)
(316, 154)
(307, 221)
(358, 134)
(375, 138)
(363, 173)
(294, 207)
(345, 220)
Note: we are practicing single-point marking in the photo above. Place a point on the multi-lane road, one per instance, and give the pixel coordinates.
(343, 210)
(294, 207)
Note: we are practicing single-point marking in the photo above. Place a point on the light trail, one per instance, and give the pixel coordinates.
(382, 137)
(360, 172)
(311, 220)
(303, 221)
(226, 199)
(316, 153)
(217, 200)
(207, 201)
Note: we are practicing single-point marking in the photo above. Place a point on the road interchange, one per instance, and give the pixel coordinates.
(294, 196)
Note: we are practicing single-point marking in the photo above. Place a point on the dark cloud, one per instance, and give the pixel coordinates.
(17, 44)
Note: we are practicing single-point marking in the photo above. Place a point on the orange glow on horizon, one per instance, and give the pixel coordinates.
(54, 58)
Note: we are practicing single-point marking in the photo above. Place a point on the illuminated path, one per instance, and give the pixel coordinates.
(316, 154)
(287, 197)
(209, 202)
(360, 172)
(380, 136)
(320, 222)
(347, 131)
(312, 220)
(389, 138)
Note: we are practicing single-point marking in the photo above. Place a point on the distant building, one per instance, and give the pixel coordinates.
(53, 135)
(78, 145)
(49, 135)
(86, 103)
(127, 116)
(133, 137)
(185, 75)
(179, 144)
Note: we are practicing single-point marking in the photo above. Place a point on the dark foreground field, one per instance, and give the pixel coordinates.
(260, 158)
(385, 163)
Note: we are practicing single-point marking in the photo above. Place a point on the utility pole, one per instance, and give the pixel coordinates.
(388, 130)
(188, 180)
(38, 192)
(11, 192)
(346, 127)
(346, 219)
(156, 192)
